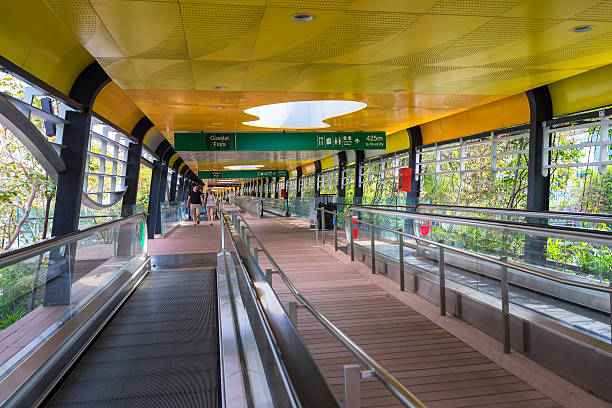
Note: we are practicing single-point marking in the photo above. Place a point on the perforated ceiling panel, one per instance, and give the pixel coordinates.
(196, 65)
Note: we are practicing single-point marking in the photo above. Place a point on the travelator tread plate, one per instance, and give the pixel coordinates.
(160, 350)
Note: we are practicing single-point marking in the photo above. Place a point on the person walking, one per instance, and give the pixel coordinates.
(194, 203)
(211, 205)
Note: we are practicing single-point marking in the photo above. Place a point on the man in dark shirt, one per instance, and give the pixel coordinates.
(194, 203)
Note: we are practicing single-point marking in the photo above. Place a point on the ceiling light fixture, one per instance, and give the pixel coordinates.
(218, 88)
(365, 124)
(302, 17)
(399, 90)
(582, 29)
(217, 107)
(245, 167)
(216, 123)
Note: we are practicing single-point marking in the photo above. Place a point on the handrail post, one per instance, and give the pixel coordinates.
(442, 282)
(269, 277)
(323, 224)
(335, 231)
(352, 386)
(373, 249)
(505, 305)
(256, 255)
(352, 244)
(317, 225)
(401, 262)
(292, 311)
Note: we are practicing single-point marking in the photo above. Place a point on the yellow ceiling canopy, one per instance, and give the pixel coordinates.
(198, 65)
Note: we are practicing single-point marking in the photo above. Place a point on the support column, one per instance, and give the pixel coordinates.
(67, 207)
(132, 174)
(340, 188)
(153, 217)
(163, 183)
(416, 141)
(269, 187)
(317, 175)
(358, 195)
(298, 183)
(538, 181)
(173, 181)
(412, 198)
(276, 182)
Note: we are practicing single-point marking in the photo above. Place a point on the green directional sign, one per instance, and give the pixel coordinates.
(241, 174)
(279, 141)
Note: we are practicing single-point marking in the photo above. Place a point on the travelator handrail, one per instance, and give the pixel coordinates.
(388, 380)
(549, 231)
(303, 380)
(563, 215)
(487, 258)
(19, 254)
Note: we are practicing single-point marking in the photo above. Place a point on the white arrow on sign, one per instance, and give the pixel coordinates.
(356, 140)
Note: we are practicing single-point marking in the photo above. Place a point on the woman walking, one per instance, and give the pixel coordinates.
(194, 203)
(211, 205)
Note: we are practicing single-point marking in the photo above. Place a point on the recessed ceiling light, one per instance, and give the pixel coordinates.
(399, 109)
(245, 167)
(302, 17)
(216, 123)
(582, 29)
(217, 107)
(365, 124)
(218, 88)
(399, 90)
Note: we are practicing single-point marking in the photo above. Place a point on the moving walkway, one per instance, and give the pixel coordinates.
(173, 330)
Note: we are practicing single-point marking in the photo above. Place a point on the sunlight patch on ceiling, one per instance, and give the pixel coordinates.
(302, 114)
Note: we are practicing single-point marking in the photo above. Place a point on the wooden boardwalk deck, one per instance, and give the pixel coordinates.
(437, 367)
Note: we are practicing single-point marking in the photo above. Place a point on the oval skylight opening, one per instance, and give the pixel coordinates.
(302, 114)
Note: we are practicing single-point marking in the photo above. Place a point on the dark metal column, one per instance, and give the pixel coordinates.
(152, 220)
(317, 175)
(163, 185)
(412, 198)
(276, 182)
(298, 183)
(173, 186)
(416, 141)
(132, 172)
(269, 187)
(340, 188)
(538, 184)
(358, 190)
(68, 206)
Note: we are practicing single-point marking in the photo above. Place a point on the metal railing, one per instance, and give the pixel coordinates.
(558, 215)
(501, 262)
(352, 372)
(304, 383)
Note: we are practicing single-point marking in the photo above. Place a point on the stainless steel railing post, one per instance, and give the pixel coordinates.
(323, 224)
(401, 262)
(373, 249)
(335, 231)
(292, 312)
(442, 282)
(352, 245)
(352, 386)
(256, 255)
(269, 277)
(505, 305)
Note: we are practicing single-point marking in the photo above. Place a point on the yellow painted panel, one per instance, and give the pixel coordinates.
(327, 163)
(173, 159)
(397, 141)
(34, 39)
(292, 173)
(150, 133)
(582, 92)
(308, 168)
(507, 112)
(116, 106)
